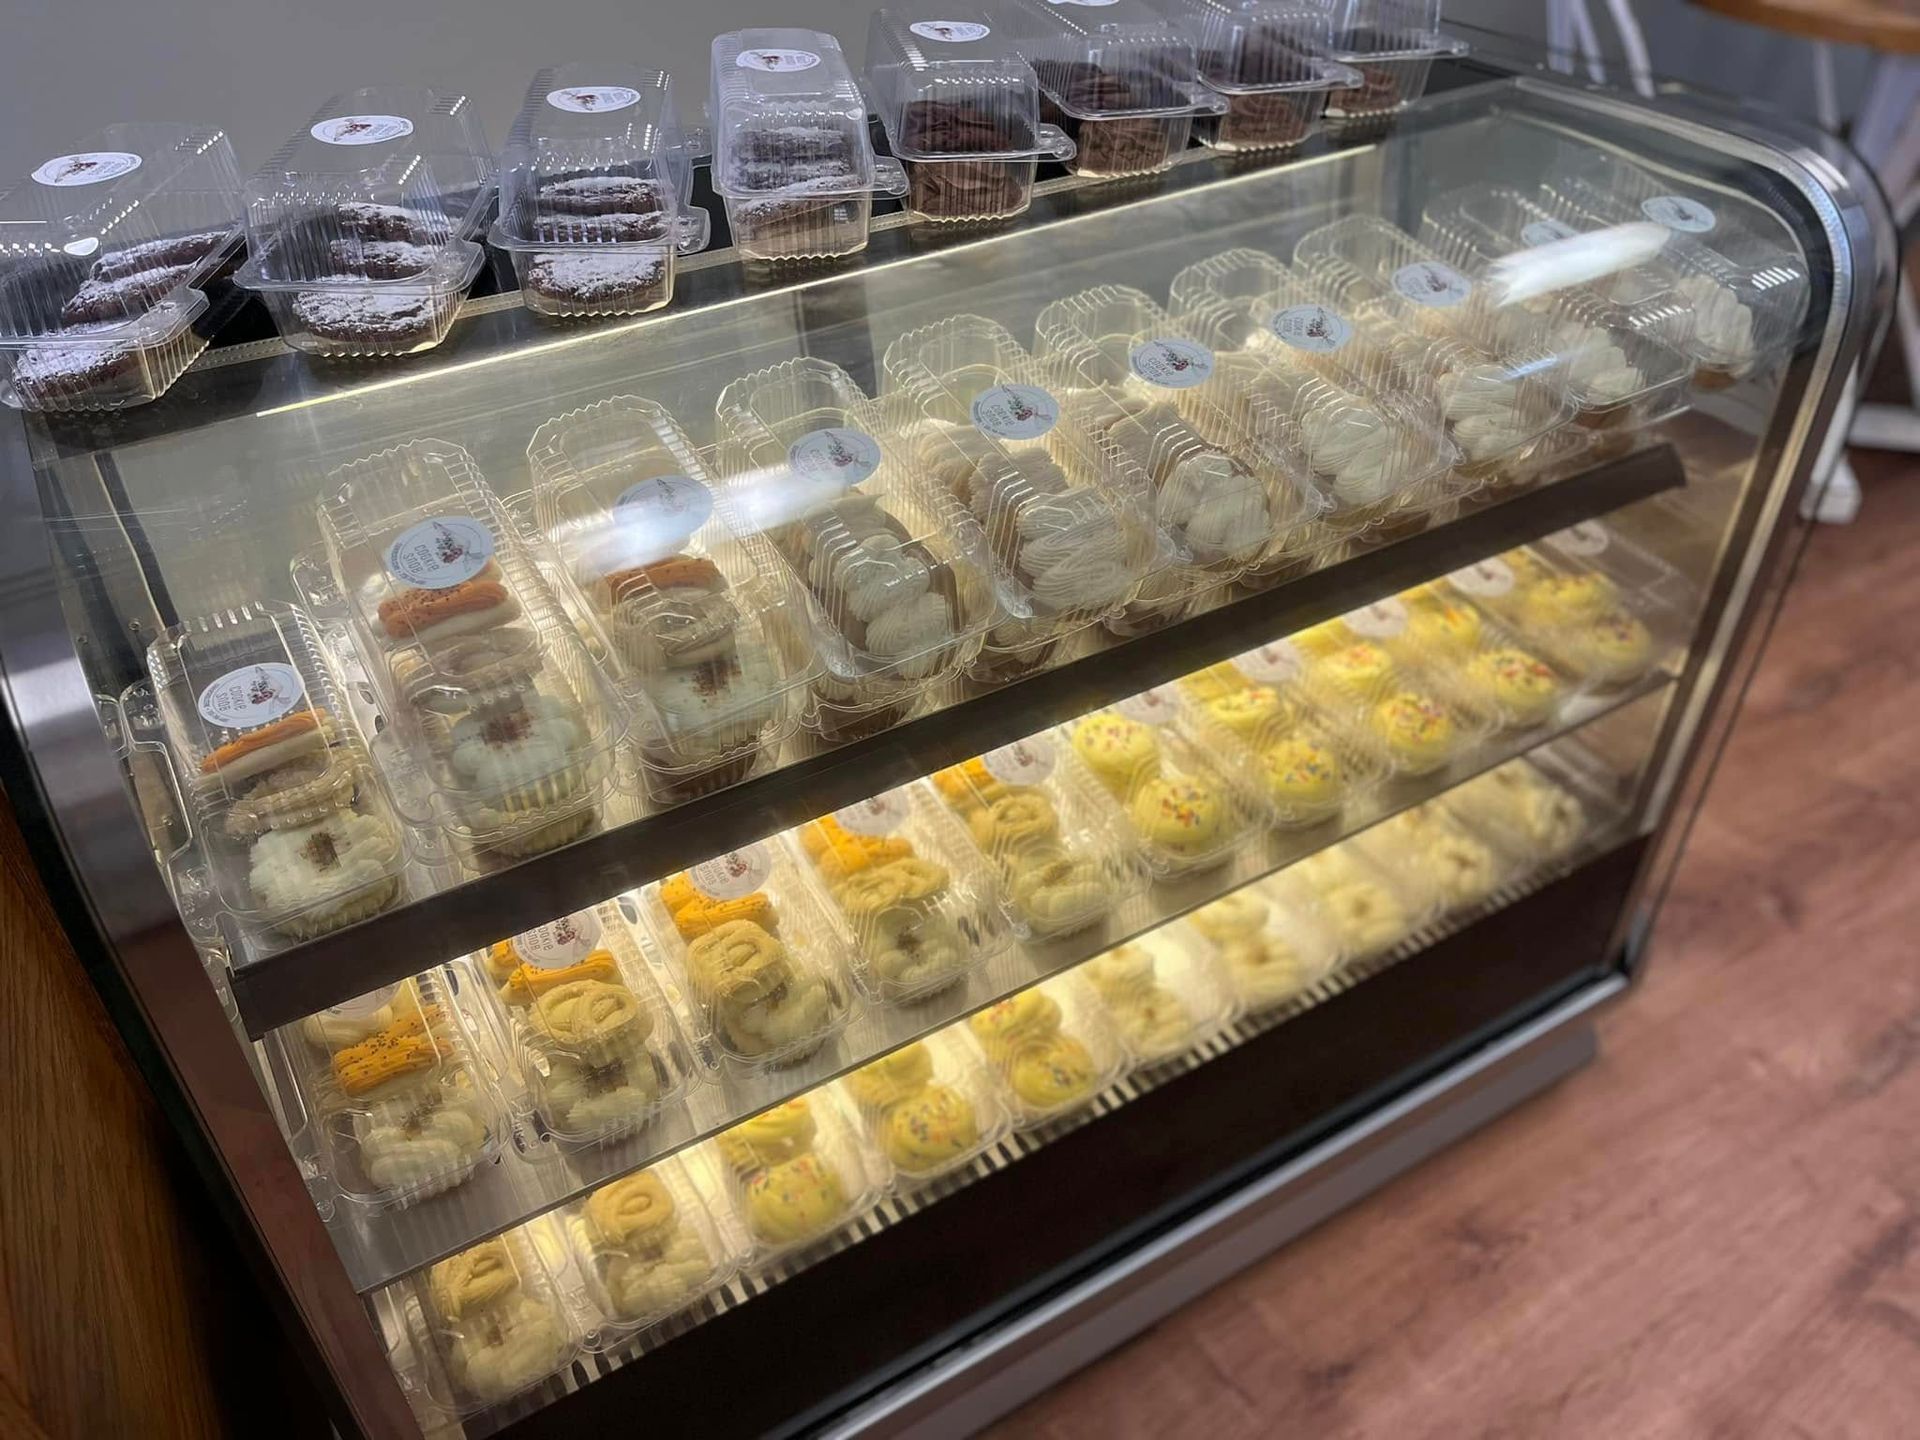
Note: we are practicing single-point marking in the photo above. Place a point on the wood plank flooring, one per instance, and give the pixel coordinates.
(1713, 1231)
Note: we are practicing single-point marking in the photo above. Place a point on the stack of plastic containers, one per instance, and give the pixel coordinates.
(1071, 534)
(796, 1173)
(688, 613)
(961, 109)
(594, 187)
(929, 1107)
(646, 1247)
(1392, 44)
(1117, 76)
(1050, 1047)
(104, 256)
(893, 571)
(360, 231)
(1265, 59)
(791, 154)
(508, 724)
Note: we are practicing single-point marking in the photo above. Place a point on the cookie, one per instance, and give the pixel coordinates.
(169, 252)
(597, 282)
(600, 195)
(99, 302)
(45, 376)
(381, 259)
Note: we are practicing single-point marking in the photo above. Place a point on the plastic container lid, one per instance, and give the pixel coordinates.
(951, 84)
(646, 1246)
(789, 119)
(1257, 47)
(1103, 59)
(929, 1107)
(1386, 30)
(796, 1174)
(1050, 1047)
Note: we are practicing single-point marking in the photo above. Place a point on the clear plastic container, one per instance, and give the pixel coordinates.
(105, 254)
(360, 230)
(509, 724)
(761, 958)
(894, 572)
(1366, 907)
(1392, 44)
(795, 1174)
(297, 834)
(594, 191)
(1523, 810)
(1231, 492)
(921, 907)
(1072, 533)
(1117, 76)
(1161, 998)
(1266, 59)
(1442, 863)
(1270, 939)
(1050, 1048)
(646, 1247)
(1065, 857)
(792, 158)
(961, 110)
(596, 1044)
(930, 1107)
(688, 613)
(1186, 812)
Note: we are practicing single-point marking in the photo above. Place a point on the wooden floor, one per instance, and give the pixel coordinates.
(1715, 1230)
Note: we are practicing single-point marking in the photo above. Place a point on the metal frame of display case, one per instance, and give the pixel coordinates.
(1197, 1210)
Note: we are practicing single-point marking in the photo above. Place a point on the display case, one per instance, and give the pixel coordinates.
(878, 824)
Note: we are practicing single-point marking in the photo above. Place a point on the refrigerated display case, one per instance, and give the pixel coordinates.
(814, 857)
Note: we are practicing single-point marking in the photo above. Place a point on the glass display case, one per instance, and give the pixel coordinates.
(875, 824)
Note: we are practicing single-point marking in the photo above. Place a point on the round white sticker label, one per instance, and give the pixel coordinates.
(560, 943)
(251, 695)
(1429, 283)
(90, 167)
(1158, 706)
(777, 62)
(1311, 327)
(1277, 663)
(1024, 762)
(1381, 620)
(877, 815)
(1587, 538)
(440, 553)
(953, 32)
(733, 875)
(836, 457)
(1676, 212)
(1545, 232)
(1015, 412)
(663, 511)
(362, 129)
(362, 1007)
(1173, 364)
(1487, 579)
(593, 99)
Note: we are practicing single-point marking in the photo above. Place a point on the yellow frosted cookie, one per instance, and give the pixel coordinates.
(1441, 628)
(1213, 683)
(1015, 822)
(1520, 687)
(1119, 751)
(891, 1078)
(771, 1137)
(1302, 775)
(795, 1200)
(929, 1128)
(473, 1279)
(1553, 601)
(1252, 712)
(1417, 730)
(1024, 1019)
(1055, 1072)
(1182, 817)
(634, 1212)
(1613, 649)
(1357, 670)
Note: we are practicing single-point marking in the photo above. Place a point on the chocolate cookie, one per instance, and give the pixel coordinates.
(608, 283)
(49, 377)
(968, 189)
(600, 195)
(101, 302)
(381, 259)
(795, 147)
(1120, 146)
(575, 229)
(368, 317)
(162, 254)
(940, 127)
(389, 222)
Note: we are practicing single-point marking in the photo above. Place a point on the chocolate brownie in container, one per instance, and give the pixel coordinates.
(791, 157)
(594, 187)
(1392, 44)
(1265, 59)
(1118, 77)
(961, 109)
(361, 230)
(105, 255)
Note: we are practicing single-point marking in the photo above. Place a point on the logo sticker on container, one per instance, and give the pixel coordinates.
(593, 99)
(1545, 232)
(1172, 364)
(362, 129)
(1276, 663)
(954, 32)
(878, 815)
(251, 695)
(1676, 212)
(660, 513)
(1429, 283)
(1015, 412)
(1158, 706)
(1024, 762)
(733, 875)
(1381, 620)
(560, 943)
(362, 1007)
(89, 167)
(440, 553)
(1312, 328)
(1487, 579)
(777, 62)
(836, 457)
(1585, 540)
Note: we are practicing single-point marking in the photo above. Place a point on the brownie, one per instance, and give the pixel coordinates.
(46, 375)
(166, 253)
(577, 229)
(1260, 121)
(600, 195)
(946, 127)
(794, 147)
(99, 302)
(381, 259)
(1120, 146)
(368, 317)
(605, 282)
(964, 189)
(389, 222)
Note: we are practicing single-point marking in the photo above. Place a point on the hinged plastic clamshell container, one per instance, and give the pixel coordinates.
(1265, 59)
(1392, 44)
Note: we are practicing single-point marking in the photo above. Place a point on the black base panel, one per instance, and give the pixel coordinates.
(832, 1335)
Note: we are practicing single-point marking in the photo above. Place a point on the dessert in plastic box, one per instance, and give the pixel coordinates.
(688, 613)
(296, 831)
(596, 1043)
(893, 572)
(510, 723)
(760, 958)
(494, 1320)
(1050, 1047)
(1160, 997)
(646, 1247)
(1118, 77)
(105, 255)
(594, 187)
(792, 159)
(1392, 44)
(1271, 939)
(921, 907)
(1070, 527)
(1441, 862)
(795, 1174)
(1266, 60)
(1185, 811)
(360, 231)
(1367, 908)
(961, 110)
(929, 1107)
(1065, 859)
(1524, 810)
